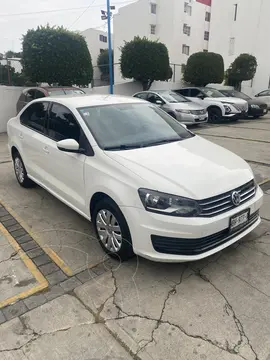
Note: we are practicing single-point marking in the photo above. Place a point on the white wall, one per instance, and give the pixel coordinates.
(14, 62)
(131, 87)
(135, 20)
(95, 45)
(9, 96)
(251, 32)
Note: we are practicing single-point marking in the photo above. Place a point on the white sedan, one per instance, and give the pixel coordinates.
(150, 186)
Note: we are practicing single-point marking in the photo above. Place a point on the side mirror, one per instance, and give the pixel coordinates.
(159, 102)
(257, 95)
(69, 145)
(201, 96)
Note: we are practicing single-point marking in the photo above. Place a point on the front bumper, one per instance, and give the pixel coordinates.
(191, 118)
(144, 226)
(257, 112)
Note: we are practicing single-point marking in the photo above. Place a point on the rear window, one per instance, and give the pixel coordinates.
(56, 92)
(75, 91)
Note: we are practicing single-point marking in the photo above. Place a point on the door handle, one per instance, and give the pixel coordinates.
(46, 150)
(21, 136)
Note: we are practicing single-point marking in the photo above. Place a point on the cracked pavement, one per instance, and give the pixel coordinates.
(217, 308)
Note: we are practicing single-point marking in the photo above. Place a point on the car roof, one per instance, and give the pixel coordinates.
(78, 101)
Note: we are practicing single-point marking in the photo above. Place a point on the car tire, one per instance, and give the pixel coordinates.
(21, 173)
(116, 243)
(214, 115)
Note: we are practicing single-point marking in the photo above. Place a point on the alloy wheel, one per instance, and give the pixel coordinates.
(19, 170)
(109, 231)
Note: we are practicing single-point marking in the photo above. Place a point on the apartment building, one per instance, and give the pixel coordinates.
(243, 26)
(97, 41)
(182, 25)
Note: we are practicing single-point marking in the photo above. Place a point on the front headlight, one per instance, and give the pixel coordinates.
(227, 108)
(254, 106)
(183, 111)
(167, 204)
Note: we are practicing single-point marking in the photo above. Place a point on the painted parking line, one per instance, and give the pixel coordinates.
(42, 282)
(55, 258)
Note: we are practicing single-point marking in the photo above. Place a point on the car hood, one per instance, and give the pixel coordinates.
(194, 168)
(257, 102)
(231, 100)
(185, 106)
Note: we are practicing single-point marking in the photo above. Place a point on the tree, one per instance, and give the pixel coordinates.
(243, 68)
(145, 61)
(56, 55)
(203, 68)
(103, 64)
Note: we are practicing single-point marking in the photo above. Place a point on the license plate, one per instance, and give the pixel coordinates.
(239, 220)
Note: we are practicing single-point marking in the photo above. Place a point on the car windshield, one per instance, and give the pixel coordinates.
(173, 97)
(236, 94)
(56, 92)
(127, 126)
(212, 93)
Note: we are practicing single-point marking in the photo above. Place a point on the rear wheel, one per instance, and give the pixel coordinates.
(214, 115)
(21, 173)
(112, 229)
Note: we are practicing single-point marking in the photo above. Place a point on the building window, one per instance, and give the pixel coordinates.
(103, 38)
(207, 16)
(235, 11)
(186, 29)
(188, 8)
(153, 8)
(185, 49)
(206, 35)
(231, 46)
(152, 29)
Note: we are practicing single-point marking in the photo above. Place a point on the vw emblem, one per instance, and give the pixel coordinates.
(236, 198)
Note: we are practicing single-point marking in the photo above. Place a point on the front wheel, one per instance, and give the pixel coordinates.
(21, 173)
(214, 115)
(112, 230)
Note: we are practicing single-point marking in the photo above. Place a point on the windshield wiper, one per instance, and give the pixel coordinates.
(122, 147)
(160, 142)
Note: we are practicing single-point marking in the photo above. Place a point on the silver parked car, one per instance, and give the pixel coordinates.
(181, 108)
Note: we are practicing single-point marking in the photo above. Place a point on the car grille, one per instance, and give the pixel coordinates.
(198, 112)
(221, 203)
(241, 107)
(180, 246)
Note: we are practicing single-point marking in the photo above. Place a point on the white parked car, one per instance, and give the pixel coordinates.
(179, 107)
(218, 105)
(150, 186)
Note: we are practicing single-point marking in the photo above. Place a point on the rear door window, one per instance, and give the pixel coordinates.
(62, 124)
(142, 96)
(184, 92)
(30, 95)
(39, 94)
(35, 116)
(195, 92)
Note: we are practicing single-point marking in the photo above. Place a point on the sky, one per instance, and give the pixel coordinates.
(14, 22)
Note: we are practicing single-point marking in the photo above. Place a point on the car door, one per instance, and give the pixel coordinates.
(31, 136)
(64, 170)
(265, 97)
